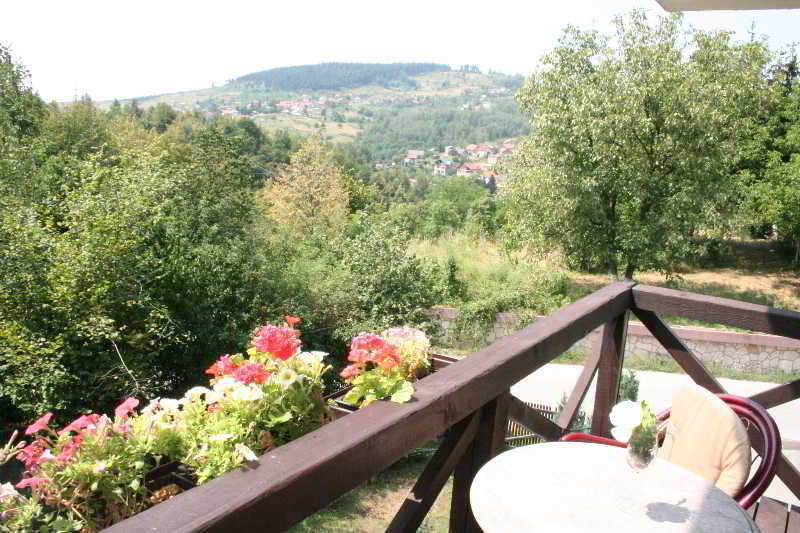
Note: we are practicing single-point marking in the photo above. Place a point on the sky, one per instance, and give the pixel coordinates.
(127, 49)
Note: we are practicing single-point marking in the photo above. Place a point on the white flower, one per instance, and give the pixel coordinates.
(621, 434)
(245, 452)
(225, 385)
(151, 407)
(311, 358)
(213, 397)
(247, 393)
(7, 491)
(195, 392)
(220, 437)
(99, 467)
(168, 404)
(626, 414)
(285, 377)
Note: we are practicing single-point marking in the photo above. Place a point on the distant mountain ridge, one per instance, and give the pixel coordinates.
(334, 76)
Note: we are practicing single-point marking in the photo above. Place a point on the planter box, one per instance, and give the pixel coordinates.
(342, 408)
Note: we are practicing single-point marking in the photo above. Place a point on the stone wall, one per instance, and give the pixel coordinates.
(748, 352)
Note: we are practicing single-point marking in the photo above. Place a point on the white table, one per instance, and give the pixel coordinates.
(574, 486)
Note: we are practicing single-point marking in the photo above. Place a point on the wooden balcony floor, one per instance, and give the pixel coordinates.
(773, 516)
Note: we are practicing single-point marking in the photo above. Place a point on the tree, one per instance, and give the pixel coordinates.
(21, 109)
(633, 138)
(309, 196)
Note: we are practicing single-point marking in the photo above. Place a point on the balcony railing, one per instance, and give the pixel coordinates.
(469, 402)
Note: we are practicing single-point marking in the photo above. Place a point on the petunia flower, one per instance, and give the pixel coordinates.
(220, 437)
(245, 452)
(31, 482)
(7, 492)
(125, 408)
(247, 393)
(285, 377)
(39, 424)
(80, 423)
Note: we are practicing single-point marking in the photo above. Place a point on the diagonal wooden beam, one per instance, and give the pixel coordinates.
(419, 501)
(488, 442)
(533, 420)
(789, 474)
(581, 388)
(678, 350)
(778, 395)
(609, 372)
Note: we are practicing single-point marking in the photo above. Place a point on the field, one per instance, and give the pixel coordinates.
(333, 131)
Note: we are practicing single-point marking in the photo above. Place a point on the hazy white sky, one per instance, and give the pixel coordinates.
(113, 49)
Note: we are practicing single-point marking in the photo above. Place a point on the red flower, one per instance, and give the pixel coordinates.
(39, 424)
(251, 373)
(291, 320)
(125, 408)
(224, 365)
(80, 423)
(31, 481)
(350, 371)
(371, 348)
(280, 341)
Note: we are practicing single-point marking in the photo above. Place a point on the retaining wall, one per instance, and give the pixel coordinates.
(748, 352)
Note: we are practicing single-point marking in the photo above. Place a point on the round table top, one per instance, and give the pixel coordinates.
(575, 486)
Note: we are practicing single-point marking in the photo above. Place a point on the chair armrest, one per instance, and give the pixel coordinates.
(585, 437)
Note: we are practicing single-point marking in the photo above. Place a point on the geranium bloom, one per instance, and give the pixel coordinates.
(371, 348)
(291, 320)
(80, 423)
(125, 408)
(280, 341)
(39, 424)
(350, 371)
(251, 373)
(31, 481)
(223, 365)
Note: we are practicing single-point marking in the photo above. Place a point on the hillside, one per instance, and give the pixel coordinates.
(335, 76)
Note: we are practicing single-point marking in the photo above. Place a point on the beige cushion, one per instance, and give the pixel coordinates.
(705, 436)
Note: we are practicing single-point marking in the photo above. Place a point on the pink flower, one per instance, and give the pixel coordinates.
(224, 365)
(371, 348)
(350, 371)
(280, 341)
(70, 448)
(39, 424)
(31, 481)
(32, 453)
(124, 409)
(251, 373)
(80, 423)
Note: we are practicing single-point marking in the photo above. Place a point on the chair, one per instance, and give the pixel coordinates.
(725, 459)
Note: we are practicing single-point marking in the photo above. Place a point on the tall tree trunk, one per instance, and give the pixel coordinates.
(629, 269)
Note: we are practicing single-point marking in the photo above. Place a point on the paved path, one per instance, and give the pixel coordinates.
(550, 382)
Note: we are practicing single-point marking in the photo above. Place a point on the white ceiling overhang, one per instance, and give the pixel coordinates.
(703, 5)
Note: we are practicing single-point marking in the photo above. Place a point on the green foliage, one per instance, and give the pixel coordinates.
(21, 109)
(374, 385)
(633, 140)
(441, 122)
(332, 76)
(628, 386)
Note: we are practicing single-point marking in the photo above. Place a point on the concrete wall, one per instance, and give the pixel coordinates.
(747, 352)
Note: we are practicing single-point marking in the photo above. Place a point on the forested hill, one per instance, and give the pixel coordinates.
(332, 76)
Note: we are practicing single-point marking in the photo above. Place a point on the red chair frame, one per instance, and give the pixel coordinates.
(760, 426)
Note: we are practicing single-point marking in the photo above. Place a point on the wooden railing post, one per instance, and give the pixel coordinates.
(489, 441)
(611, 345)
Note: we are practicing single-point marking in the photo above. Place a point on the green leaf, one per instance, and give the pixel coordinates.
(403, 393)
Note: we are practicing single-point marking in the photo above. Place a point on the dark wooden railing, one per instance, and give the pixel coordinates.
(469, 402)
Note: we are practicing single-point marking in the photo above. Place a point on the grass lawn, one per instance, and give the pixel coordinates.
(371, 506)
